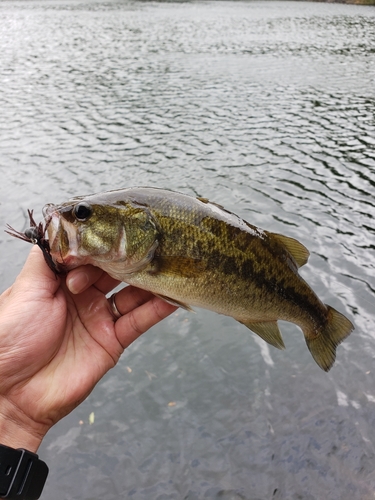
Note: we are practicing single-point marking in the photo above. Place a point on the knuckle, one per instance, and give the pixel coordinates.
(134, 323)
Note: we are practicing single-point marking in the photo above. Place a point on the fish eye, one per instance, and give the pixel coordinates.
(82, 211)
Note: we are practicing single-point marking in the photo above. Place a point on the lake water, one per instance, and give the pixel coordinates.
(267, 109)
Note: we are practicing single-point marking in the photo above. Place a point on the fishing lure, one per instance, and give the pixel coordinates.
(35, 234)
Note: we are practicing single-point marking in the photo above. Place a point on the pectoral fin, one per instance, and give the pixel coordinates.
(174, 302)
(268, 331)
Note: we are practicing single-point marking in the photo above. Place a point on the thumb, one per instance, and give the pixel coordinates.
(36, 274)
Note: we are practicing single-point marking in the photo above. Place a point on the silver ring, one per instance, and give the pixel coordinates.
(112, 305)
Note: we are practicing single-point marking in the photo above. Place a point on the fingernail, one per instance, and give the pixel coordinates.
(77, 282)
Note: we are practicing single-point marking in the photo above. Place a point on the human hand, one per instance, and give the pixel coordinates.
(58, 337)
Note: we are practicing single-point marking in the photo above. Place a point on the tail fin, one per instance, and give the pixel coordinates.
(323, 346)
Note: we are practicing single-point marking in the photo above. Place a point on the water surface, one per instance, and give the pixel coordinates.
(268, 109)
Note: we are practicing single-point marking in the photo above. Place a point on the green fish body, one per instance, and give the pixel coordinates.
(192, 252)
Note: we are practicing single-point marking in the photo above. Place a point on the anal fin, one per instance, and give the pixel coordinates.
(268, 331)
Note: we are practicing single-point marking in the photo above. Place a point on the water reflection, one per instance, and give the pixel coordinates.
(268, 109)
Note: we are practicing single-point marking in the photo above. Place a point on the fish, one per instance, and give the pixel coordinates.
(193, 252)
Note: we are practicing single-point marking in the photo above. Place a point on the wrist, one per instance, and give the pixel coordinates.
(22, 474)
(17, 430)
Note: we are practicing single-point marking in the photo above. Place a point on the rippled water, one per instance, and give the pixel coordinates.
(268, 109)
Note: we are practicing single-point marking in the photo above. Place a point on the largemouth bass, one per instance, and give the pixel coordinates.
(192, 252)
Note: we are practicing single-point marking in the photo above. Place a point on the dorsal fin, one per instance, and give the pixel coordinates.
(202, 199)
(298, 251)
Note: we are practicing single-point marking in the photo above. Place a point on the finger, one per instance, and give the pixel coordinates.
(4, 296)
(36, 274)
(105, 284)
(80, 279)
(130, 298)
(129, 327)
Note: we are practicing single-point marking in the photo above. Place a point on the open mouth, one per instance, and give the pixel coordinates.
(52, 219)
(62, 236)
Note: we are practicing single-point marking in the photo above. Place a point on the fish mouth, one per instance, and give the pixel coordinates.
(52, 222)
(62, 237)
